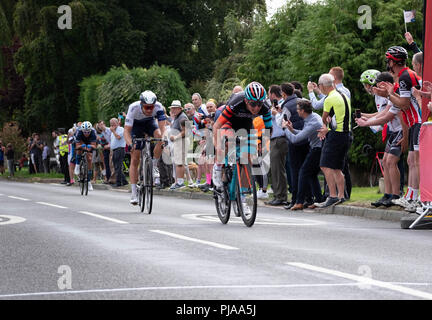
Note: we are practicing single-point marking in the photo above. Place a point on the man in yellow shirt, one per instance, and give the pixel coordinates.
(336, 139)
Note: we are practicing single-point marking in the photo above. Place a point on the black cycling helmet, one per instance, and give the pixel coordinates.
(397, 54)
(385, 76)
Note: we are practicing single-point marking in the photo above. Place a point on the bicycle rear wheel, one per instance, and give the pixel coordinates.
(246, 194)
(148, 183)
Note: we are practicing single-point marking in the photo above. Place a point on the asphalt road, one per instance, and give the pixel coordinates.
(57, 244)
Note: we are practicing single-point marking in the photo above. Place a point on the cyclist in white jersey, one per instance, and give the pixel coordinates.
(144, 117)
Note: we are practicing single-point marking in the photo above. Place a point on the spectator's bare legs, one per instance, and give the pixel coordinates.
(71, 172)
(414, 170)
(180, 171)
(391, 174)
(331, 183)
(340, 183)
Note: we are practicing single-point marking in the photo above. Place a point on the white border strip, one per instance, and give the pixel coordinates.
(51, 205)
(103, 217)
(271, 286)
(364, 280)
(209, 243)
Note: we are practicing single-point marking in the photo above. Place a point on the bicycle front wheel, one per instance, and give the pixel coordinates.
(141, 186)
(223, 204)
(246, 194)
(148, 182)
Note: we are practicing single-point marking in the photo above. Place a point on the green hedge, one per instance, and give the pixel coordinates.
(103, 97)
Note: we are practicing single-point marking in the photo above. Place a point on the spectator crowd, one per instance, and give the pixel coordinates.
(302, 143)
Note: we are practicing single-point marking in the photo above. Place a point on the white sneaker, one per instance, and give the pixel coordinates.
(262, 195)
(402, 202)
(90, 187)
(412, 207)
(76, 170)
(134, 199)
(217, 176)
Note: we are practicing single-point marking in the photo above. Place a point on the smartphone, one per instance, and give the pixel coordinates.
(120, 116)
(285, 117)
(357, 113)
(310, 79)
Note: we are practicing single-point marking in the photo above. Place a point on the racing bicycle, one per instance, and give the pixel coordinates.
(239, 186)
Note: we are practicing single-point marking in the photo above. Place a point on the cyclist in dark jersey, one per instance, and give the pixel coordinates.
(86, 140)
(239, 113)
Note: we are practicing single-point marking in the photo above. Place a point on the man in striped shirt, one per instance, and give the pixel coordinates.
(404, 99)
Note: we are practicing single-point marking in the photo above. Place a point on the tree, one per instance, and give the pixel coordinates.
(11, 133)
(305, 40)
(12, 93)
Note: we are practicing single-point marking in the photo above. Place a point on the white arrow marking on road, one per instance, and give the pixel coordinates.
(11, 219)
(179, 236)
(103, 217)
(51, 205)
(363, 280)
(262, 221)
(18, 198)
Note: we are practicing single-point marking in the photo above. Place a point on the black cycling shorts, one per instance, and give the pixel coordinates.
(392, 146)
(414, 137)
(335, 150)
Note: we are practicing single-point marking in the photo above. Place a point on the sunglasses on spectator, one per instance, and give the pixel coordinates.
(255, 104)
(188, 109)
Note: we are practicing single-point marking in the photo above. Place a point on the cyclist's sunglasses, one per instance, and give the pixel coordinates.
(255, 104)
(148, 106)
(87, 132)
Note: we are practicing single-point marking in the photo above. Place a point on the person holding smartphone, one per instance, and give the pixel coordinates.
(309, 170)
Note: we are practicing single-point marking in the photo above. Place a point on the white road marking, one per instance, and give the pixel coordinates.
(51, 205)
(285, 221)
(209, 243)
(209, 287)
(364, 280)
(11, 219)
(18, 198)
(103, 217)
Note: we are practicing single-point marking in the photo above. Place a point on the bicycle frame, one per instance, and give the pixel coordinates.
(380, 161)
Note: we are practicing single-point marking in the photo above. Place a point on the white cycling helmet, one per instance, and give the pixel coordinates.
(86, 126)
(148, 97)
